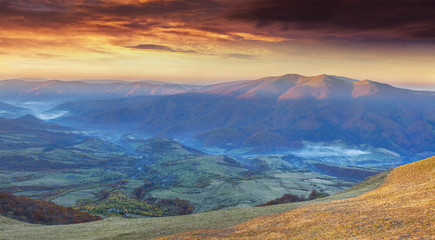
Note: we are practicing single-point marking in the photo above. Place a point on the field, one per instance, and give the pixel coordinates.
(147, 228)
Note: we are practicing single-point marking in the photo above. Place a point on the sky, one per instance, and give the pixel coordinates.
(206, 41)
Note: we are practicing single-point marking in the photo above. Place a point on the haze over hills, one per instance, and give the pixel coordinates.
(273, 114)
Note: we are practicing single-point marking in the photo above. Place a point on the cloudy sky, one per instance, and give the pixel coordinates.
(204, 41)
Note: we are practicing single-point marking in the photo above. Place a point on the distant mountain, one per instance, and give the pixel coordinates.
(56, 90)
(277, 113)
(294, 86)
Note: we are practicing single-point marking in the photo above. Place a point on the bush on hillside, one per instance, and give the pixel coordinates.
(289, 198)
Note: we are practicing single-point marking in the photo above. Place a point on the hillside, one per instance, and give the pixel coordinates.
(403, 207)
(29, 131)
(147, 228)
(11, 111)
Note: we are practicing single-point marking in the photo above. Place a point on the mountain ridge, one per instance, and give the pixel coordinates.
(295, 86)
(284, 87)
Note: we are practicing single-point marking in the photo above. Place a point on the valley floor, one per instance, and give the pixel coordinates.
(147, 228)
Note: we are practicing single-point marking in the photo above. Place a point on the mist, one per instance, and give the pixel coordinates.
(51, 115)
(320, 150)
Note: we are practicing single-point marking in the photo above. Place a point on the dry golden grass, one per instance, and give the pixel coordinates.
(402, 208)
(146, 228)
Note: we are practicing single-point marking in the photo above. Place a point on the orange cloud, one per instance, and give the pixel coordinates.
(198, 39)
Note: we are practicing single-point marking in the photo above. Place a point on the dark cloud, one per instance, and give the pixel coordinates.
(44, 55)
(159, 48)
(57, 14)
(241, 56)
(371, 21)
(139, 25)
(409, 19)
(153, 8)
(45, 14)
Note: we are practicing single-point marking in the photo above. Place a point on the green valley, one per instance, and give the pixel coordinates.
(153, 177)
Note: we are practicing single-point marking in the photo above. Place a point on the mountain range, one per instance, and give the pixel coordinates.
(272, 114)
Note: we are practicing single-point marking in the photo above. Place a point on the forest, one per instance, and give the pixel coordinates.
(41, 212)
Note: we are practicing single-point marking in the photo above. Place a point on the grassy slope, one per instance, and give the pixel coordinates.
(403, 207)
(145, 228)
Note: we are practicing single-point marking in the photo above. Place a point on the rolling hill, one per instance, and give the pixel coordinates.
(376, 206)
(28, 131)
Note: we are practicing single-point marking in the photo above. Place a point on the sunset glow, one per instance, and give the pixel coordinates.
(217, 40)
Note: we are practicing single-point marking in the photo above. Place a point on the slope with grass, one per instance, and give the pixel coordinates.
(147, 228)
(403, 207)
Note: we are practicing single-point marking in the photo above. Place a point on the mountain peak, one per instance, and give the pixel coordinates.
(320, 87)
(30, 117)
